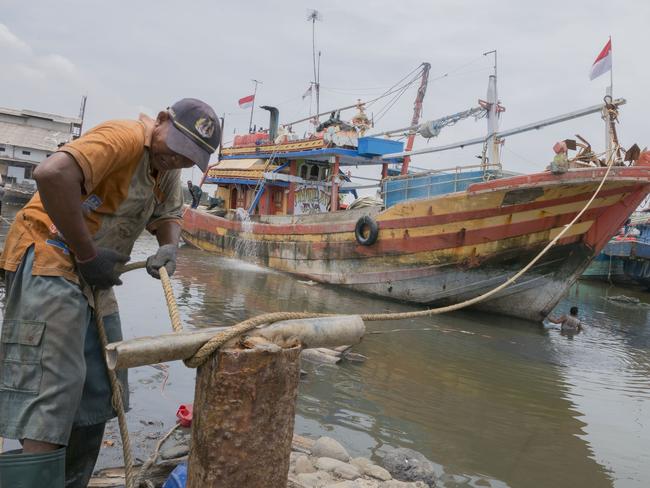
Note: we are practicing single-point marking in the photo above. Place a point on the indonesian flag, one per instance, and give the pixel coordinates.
(246, 102)
(603, 62)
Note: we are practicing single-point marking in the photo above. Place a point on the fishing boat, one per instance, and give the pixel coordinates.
(17, 194)
(626, 257)
(435, 237)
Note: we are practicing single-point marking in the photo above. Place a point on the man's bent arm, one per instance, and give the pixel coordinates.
(60, 179)
(168, 232)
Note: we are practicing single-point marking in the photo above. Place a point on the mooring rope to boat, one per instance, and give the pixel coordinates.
(134, 480)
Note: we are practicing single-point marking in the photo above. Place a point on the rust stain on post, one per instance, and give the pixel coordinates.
(244, 406)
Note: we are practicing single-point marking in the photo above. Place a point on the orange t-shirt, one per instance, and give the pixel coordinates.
(120, 198)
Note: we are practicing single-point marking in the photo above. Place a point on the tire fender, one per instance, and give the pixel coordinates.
(366, 231)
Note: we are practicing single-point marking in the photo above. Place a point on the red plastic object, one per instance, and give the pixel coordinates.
(184, 414)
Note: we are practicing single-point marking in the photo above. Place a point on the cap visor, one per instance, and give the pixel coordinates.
(183, 145)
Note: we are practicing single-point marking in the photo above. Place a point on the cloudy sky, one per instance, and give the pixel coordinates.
(141, 56)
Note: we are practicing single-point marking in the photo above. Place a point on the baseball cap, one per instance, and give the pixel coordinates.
(194, 131)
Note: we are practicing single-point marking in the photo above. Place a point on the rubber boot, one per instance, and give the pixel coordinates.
(20, 470)
(81, 454)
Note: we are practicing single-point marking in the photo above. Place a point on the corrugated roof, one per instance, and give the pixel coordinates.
(239, 164)
(40, 115)
(34, 137)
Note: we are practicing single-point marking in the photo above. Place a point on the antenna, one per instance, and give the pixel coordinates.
(314, 15)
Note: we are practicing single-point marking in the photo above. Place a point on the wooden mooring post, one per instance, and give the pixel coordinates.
(244, 399)
(244, 406)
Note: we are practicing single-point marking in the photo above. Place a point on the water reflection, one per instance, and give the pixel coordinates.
(482, 396)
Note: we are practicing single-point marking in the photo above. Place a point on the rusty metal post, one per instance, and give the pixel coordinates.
(244, 406)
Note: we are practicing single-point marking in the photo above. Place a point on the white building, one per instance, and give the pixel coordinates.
(28, 137)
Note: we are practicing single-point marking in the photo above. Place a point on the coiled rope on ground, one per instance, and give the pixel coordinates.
(135, 480)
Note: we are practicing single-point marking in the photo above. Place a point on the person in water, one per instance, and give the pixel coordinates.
(568, 323)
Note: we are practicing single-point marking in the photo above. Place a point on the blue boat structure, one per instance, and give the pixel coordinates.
(626, 257)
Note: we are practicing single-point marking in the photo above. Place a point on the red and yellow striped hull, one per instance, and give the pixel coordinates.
(447, 248)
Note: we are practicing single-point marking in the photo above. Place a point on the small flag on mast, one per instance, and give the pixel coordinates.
(603, 62)
(246, 102)
(307, 93)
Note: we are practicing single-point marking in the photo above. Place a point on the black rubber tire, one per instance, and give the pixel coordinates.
(373, 231)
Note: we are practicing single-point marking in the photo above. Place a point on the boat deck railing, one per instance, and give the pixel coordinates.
(427, 184)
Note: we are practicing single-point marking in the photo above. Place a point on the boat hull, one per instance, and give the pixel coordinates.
(449, 248)
(627, 257)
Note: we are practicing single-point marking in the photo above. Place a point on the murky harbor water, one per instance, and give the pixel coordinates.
(492, 400)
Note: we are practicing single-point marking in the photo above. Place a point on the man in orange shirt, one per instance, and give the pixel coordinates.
(95, 197)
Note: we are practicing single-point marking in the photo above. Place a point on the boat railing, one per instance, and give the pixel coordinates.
(427, 184)
(454, 169)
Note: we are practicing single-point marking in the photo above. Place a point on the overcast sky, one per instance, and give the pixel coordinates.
(133, 56)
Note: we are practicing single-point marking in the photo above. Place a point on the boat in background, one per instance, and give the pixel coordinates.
(435, 237)
(18, 194)
(626, 257)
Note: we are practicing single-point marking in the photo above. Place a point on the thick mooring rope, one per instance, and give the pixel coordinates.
(220, 338)
(117, 400)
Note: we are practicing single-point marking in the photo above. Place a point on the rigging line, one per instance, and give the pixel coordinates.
(519, 155)
(399, 92)
(471, 71)
(417, 70)
(366, 103)
(466, 64)
(354, 89)
(383, 112)
(374, 100)
(354, 94)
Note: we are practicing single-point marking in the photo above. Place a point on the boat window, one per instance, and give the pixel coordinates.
(26, 153)
(303, 171)
(314, 172)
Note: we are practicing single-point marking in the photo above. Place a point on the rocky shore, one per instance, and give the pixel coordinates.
(325, 463)
(321, 463)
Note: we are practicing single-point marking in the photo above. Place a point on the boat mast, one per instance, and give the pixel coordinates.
(609, 92)
(492, 141)
(250, 122)
(417, 111)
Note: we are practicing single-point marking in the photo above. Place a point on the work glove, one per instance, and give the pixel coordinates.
(166, 256)
(101, 271)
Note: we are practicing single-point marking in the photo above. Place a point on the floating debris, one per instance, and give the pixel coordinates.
(623, 299)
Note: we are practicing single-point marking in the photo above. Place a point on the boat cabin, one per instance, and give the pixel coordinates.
(271, 173)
